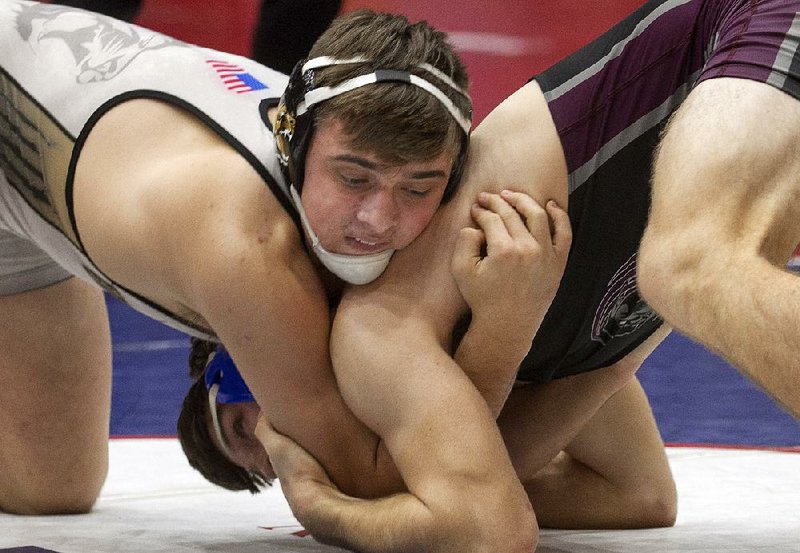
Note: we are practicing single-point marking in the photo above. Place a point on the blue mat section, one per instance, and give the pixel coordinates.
(696, 397)
(151, 373)
(699, 398)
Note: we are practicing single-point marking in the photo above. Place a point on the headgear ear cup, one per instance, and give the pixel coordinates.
(458, 169)
(292, 132)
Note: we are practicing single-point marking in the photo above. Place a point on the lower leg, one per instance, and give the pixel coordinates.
(55, 399)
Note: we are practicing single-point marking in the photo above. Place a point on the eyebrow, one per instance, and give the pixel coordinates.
(372, 166)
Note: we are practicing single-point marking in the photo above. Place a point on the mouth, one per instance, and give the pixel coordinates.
(363, 246)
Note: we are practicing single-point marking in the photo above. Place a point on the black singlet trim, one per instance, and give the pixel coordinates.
(213, 125)
(279, 194)
(263, 110)
(187, 323)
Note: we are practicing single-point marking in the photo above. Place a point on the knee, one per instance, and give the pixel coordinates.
(47, 494)
(667, 267)
(56, 501)
(655, 504)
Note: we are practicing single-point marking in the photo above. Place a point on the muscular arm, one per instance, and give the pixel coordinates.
(256, 288)
(501, 158)
(195, 229)
(724, 221)
(463, 494)
(509, 287)
(390, 346)
(279, 341)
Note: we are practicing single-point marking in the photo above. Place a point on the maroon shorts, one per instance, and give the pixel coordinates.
(610, 102)
(757, 40)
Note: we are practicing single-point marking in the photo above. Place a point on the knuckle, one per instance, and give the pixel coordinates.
(487, 215)
(503, 250)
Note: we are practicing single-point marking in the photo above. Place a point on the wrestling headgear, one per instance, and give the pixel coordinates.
(224, 385)
(295, 121)
(222, 372)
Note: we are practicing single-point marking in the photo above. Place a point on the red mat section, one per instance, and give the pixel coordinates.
(506, 42)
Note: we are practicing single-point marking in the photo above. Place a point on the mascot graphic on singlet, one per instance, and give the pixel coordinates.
(622, 311)
(102, 47)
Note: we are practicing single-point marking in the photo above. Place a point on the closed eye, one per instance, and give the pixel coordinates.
(353, 182)
(238, 428)
(418, 193)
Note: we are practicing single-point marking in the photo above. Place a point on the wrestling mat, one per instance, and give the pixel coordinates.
(731, 500)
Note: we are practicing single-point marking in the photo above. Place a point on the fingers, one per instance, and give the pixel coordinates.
(467, 252)
(275, 444)
(518, 217)
(499, 219)
(287, 457)
(536, 218)
(562, 229)
(281, 450)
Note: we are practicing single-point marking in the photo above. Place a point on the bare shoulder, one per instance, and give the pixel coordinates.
(172, 208)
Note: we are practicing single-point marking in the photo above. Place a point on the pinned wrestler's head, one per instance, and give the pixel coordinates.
(217, 423)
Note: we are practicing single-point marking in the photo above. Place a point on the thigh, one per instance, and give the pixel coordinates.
(725, 220)
(55, 398)
(616, 465)
(539, 420)
(727, 170)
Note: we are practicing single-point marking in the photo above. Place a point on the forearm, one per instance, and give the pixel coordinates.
(510, 288)
(441, 435)
(396, 524)
(491, 360)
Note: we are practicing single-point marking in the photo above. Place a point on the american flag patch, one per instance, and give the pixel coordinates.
(235, 78)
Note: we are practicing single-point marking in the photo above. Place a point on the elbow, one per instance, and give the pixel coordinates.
(516, 533)
(520, 533)
(494, 525)
(670, 273)
(501, 538)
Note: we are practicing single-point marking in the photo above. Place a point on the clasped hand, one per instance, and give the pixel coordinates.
(509, 268)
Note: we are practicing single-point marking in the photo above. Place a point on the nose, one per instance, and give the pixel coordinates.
(379, 212)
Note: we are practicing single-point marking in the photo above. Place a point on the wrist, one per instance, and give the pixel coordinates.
(507, 337)
(317, 506)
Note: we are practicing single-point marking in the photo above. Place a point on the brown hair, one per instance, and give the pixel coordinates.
(193, 423)
(397, 122)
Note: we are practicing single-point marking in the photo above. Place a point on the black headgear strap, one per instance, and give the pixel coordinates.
(294, 124)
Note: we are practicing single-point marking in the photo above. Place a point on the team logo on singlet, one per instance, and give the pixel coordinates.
(622, 311)
(101, 46)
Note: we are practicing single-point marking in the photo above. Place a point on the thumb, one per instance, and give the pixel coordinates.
(269, 438)
(562, 229)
